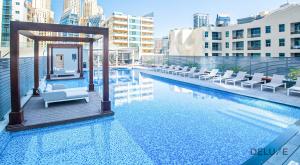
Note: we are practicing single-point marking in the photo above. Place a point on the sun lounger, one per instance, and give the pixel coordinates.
(212, 74)
(201, 72)
(227, 75)
(295, 88)
(159, 68)
(241, 76)
(176, 68)
(58, 93)
(256, 79)
(190, 72)
(184, 69)
(168, 68)
(277, 81)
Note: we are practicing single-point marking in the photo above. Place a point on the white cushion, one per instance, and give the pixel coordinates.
(76, 93)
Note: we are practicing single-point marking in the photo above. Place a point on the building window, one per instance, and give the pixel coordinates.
(206, 54)
(206, 44)
(281, 42)
(268, 54)
(227, 44)
(254, 32)
(227, 54)
(17, 3)
(281, 54)
(17, 12)
(268, 29)
(206, 34)
(268, 43)
(216, 35)
(227, 34)
(281, 28)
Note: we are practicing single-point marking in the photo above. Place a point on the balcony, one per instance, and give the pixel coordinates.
(148, 42)
(295, 47)
(238, 37)
(237, 34)
(296, 31)
(120, 34)
(295, 28)
(216, 47)
(148, 25)
(295, 42)
(120, 41)
(254, 35)
(238, 48)
(254, 48)
(216, 36)
(119, 22)
(121, 28)
(254, 45)
(254, 32)
(238, 45)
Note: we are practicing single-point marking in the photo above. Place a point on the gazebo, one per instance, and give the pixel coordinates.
(50, 61)
(27, 29)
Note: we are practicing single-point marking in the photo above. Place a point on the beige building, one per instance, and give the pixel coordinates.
(131, 33)
(90, 9)
(72, 5)
(275, 33)
(41, 12)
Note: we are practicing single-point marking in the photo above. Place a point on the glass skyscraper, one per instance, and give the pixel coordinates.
(222, 20)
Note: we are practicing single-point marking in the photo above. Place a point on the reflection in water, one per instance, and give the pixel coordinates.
(239, 110)
(131, 87)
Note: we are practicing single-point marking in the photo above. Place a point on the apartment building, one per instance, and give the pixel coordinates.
(275, 34)
(11, 10)
(131, 32)
(74, 5)
(92, 14)
(200, 20)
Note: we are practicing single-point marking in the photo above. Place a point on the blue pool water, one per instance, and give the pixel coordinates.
(157, 121)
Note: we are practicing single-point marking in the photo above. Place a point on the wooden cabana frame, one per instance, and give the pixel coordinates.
(50, 62)
(16, 116)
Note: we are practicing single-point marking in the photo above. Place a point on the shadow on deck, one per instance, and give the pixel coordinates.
(37, 116)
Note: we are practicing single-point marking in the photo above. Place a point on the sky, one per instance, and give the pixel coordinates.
(171, 14)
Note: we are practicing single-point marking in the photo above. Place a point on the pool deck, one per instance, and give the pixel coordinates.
(292, 148)
(292, 144)
(267, 95)
(37, 116)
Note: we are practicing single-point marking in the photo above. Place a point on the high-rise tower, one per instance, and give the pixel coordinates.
(73, 5)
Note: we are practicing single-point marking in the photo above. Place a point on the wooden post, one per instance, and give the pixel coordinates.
(78, 59)
(36, 68)
(48, 63)
(51, 60)
(91, 68)
(81, 61)
(16, 116)
(105, 103)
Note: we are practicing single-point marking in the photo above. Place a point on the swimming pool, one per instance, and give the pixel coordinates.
(157, 121)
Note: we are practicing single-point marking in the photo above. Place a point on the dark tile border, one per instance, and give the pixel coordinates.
(23, 127)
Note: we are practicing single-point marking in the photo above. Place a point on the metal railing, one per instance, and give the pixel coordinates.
(266, 65)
